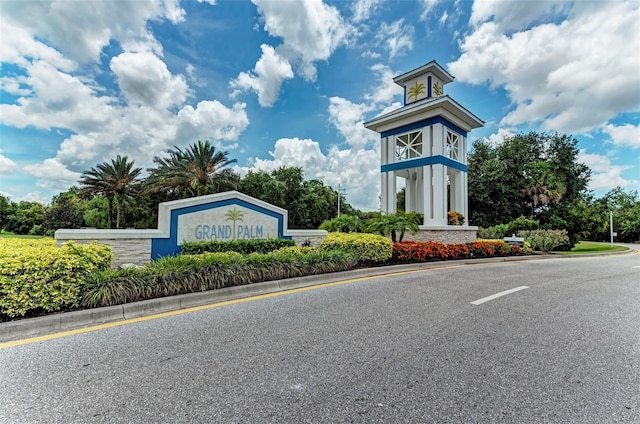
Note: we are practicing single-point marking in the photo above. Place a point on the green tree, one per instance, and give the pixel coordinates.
(535, 175)
(194, 171)
(25, 218)
(63, 212)
(309, 202)
(7, 207)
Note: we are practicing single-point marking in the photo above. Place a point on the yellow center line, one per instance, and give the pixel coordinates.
(214, 305)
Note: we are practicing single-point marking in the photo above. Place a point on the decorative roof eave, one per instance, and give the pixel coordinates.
(424, 106)
(432, 66)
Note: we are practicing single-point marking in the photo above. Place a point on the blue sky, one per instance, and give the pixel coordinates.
(289, 83)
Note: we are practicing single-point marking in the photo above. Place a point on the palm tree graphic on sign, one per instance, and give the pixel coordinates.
(416, 90)
(234, 215)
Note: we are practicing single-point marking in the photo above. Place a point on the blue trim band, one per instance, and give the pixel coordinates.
(161, 247)
(405, 95)
(425, 123)
(430, 160)
(429, 84)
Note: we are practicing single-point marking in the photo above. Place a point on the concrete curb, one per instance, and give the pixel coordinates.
(66, 321)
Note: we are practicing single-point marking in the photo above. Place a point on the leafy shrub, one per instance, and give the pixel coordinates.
(194, 273)
(343, 223)
(455, 218)
(523, 223)
(364, 247)
(497, 232)
(36, 275)
(501, 231)
(491, 248)
(545, 240)
(428, 251)
(394, 225)
(241, 246)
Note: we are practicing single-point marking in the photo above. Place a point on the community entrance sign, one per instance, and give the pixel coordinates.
(223, 216)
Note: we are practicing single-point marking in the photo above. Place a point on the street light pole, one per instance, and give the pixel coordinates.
(611, 226)
(338, 200)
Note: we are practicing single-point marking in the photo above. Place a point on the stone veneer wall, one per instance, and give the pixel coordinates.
(314, 237)
(125, 251)
(447, 235)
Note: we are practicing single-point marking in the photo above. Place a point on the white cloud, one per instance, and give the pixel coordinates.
(427, 7)
(396, 37)
(81, 30)
(52, 175)
(6, 164)
(348, 118)
(605, 175)
(363, 9)
(57, 99)
(211, 2)
(515, 15)
(572, 76)
(310, 30)
(385, 89)
(21, 48)
(144, 79)
(356, 170)
(267, 77)
(34, 196)
(443, 19)
(498, 138)
(193, 77)
(624, 135)
(211, 120)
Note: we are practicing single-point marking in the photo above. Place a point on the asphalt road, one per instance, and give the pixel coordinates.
(410, 348)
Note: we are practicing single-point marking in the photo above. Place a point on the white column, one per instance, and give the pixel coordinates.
(439, 194)
(439, 178)
(384, 189)
(427, 204)
(420, 190)
(391, 193)
(465, 198)
(458, 195)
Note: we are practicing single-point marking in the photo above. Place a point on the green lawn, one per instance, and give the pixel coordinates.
(584, 247)
(7, 234)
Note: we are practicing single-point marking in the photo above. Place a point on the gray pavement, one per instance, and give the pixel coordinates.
(407, 348)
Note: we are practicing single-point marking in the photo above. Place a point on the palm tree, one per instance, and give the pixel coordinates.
(115, 181)
(194, 171)
(396, 225)
(542, 187)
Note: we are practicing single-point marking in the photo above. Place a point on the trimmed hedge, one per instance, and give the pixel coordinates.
(364, 247)
(36, 275)
(241, 246)
(195, 273)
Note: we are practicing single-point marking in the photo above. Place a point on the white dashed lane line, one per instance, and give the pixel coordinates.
(497, 295)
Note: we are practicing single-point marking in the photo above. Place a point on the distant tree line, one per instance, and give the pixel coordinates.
(114, 195)
(534, 176)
